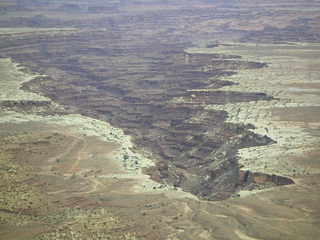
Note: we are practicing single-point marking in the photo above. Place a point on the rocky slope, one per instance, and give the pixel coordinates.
(133, 114)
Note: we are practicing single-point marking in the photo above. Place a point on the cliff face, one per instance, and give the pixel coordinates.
(160, 101)
(184, 89)
(136, 74)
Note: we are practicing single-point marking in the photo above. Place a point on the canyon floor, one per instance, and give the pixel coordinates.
(159, 120)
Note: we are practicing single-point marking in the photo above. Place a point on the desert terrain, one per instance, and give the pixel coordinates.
(160, 120)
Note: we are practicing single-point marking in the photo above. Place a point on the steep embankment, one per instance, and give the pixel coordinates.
(152, 97)
(291, 118)
(71, 176)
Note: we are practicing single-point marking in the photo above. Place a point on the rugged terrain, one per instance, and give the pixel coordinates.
(124, 120)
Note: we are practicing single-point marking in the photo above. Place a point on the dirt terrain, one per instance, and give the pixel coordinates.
(159, 120)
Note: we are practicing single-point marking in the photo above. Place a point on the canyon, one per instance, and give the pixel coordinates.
(183, 115)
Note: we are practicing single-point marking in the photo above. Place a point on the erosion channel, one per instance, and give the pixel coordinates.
(137, 76)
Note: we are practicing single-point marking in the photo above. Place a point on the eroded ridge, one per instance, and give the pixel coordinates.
(68, 174)
(158, 98)
(194, 148)
(291, 118)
